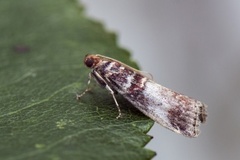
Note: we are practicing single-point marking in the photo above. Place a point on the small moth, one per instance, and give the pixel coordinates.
(172, 110)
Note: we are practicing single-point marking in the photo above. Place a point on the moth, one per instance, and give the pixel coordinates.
(173, 110)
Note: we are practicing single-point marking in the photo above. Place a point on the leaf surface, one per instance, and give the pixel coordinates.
(42, 46)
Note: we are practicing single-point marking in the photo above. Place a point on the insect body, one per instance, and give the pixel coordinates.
(172, 110)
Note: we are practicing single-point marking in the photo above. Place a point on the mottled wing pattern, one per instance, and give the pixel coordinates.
(174, 111)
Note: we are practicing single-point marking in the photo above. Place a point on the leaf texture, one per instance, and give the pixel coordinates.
(42, 46)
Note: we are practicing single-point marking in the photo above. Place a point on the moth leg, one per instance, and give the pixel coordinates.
(78, 96)
(102, 81)
(114, 98)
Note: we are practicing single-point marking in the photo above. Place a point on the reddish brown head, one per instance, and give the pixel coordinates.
(91, 60)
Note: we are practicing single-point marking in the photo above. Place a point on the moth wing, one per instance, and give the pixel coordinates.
(146, 74)
(172, 110)
(143, 73)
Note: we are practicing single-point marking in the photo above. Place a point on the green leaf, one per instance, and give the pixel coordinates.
(42, 46)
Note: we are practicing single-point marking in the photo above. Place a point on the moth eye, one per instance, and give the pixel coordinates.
(89, 62)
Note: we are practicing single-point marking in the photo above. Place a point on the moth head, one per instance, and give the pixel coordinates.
(91, 60)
